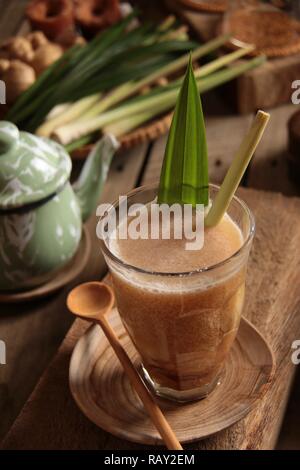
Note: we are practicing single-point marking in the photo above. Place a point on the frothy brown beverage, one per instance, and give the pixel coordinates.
(182, 326)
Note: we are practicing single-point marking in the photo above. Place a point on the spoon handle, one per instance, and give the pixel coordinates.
(154, 411)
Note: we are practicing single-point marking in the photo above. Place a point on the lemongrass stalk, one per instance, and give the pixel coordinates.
(237, 169)
(223, 76)
(167, 23)
(130, 88)
(222, 61)
(58, 109)
(122, 127)
(179, 33)
(70, 114)
(183, 36)
(114, 97)
(129, 123)
(204, 84)
(162, 30)
(74, 131)
(79, 143)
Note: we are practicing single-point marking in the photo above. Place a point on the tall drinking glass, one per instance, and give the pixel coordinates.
(182, 324)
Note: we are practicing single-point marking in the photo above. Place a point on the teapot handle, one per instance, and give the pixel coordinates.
(9, 136)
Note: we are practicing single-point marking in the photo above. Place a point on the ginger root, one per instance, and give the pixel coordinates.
(17, 77)
(45, 55)
(22, 59)
(37, 39)
(4, 65)
(18, 48)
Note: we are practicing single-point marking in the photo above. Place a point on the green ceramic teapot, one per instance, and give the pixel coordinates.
(41, 214)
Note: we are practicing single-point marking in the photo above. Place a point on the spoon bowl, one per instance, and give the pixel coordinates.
(91, 300)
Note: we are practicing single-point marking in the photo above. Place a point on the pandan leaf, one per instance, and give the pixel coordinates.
(184, 175)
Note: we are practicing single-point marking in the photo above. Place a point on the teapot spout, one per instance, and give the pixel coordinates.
(90, 183)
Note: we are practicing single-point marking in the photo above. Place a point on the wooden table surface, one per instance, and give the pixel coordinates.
(33, 332)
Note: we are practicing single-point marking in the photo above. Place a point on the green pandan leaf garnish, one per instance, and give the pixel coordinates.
(184, 174)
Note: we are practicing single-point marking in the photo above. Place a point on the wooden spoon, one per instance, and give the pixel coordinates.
(92, 301)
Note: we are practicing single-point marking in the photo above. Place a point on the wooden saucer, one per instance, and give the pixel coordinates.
(104, 394)
(63, 277)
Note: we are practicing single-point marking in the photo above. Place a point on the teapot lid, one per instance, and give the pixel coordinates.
(31, 168)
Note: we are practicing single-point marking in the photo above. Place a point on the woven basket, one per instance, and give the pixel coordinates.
(273, 32)
(146, 133)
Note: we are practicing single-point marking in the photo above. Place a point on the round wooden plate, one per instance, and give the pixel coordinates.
(63, 277)
(104, 394)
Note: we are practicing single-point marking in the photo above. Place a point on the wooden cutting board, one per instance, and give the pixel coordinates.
(265, 87)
